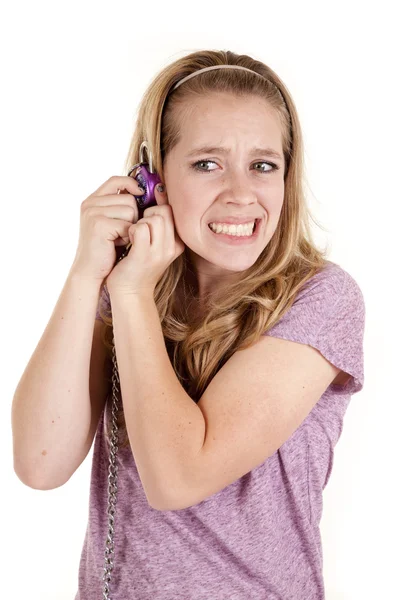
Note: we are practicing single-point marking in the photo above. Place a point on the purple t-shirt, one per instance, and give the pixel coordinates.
(259, 537)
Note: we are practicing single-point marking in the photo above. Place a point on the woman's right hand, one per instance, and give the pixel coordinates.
(104, 223)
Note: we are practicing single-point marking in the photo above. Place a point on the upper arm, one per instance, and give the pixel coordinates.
(251, 407)
(98, 384)
(262, 394)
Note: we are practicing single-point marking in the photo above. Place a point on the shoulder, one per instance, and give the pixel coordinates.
(331, 283)
(328, 314)
(329, 293)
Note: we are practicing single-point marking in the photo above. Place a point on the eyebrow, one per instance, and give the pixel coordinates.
(223, 150)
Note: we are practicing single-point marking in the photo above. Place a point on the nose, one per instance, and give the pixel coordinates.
(238, 189)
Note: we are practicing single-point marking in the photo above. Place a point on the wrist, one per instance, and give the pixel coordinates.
(84, 280)
(129, 297)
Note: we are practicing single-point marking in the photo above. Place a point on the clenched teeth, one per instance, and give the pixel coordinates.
(239, 230)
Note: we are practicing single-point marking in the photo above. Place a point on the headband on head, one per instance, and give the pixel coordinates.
(220, 67)
(214, 67)
(225, 67)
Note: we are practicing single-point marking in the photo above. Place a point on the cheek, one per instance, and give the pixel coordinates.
(184, 218)
(275, 199)
(274, 213)
(186, 207)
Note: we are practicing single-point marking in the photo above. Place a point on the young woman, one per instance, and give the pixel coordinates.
(238, 345)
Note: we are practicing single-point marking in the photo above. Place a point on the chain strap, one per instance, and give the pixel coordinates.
(113, 467)
(112, 472)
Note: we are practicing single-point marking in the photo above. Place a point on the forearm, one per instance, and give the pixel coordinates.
(51, 410)
(166, 429)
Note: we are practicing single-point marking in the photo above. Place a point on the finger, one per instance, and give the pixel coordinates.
(122, 241)
(153, 210)
(164, 209)
(152, 228)
(157, 209)
(123, 206)
(123, 199)
(122, 183)
(163, 237)
(161, 196)
(140, 237)
(169, 223)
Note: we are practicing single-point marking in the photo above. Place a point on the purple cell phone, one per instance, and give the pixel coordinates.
(147, 179)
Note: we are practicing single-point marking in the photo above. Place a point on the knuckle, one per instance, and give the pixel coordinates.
(85, 206)
(97, 223)
(90, 209)
(135, 212)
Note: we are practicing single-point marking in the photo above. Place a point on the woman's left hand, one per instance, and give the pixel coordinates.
(155, 245)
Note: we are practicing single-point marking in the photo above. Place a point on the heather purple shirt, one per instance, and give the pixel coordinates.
(258, 538)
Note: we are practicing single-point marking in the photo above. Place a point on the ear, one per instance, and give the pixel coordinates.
(161, 197)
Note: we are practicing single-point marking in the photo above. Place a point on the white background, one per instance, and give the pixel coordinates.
(72, 76)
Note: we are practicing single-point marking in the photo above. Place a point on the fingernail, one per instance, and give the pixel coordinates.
(160, 188)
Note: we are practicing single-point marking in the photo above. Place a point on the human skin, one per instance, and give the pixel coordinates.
(237, 183)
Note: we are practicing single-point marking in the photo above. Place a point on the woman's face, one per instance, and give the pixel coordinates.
(235, 182)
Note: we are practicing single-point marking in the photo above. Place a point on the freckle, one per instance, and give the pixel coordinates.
(52, 421)
(44, 452)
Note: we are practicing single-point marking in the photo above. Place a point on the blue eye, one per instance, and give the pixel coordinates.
(196, 167)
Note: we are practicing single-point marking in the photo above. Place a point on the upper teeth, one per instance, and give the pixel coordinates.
(243, 228)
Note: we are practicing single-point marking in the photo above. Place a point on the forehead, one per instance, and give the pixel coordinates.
(218, 118)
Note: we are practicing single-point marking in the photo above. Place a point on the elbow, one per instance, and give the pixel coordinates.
(34, 482)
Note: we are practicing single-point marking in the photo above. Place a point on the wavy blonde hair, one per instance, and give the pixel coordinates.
(245, 309)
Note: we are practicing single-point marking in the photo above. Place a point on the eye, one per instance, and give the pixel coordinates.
(196, 166)
(273, 166)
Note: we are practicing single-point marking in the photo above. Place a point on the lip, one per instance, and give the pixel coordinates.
(233, 240)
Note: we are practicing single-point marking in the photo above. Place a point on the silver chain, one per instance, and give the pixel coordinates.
(112, 474)
(113, 467)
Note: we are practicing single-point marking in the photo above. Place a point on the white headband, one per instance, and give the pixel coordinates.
(210, 69)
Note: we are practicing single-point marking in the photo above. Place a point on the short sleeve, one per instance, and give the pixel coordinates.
(329, 315)
(104, 301)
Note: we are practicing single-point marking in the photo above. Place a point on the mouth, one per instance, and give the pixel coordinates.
(255, 227)
(238, 239)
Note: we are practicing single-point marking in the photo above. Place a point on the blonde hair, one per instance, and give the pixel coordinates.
(245, 309)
